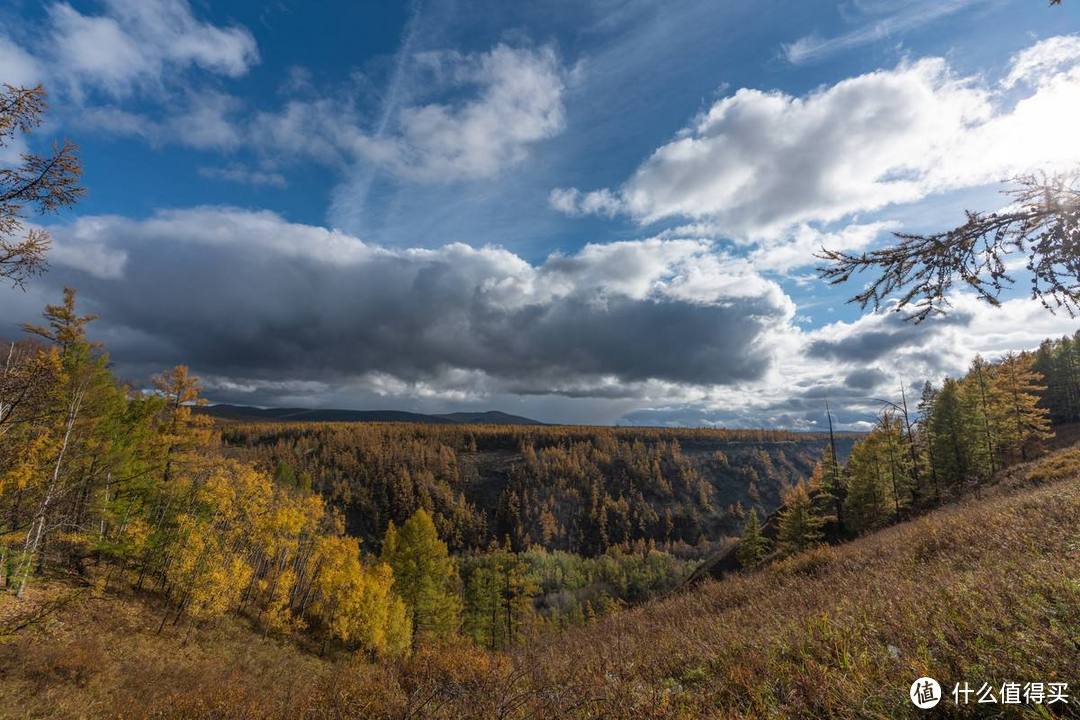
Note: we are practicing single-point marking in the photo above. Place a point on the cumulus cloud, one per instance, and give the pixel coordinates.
(503, 101)
(882, 343)
(757, 164)
(1044, 60)
(865, 379)
(131, 69)
(971, 327)
(248, 296)
(519, 103)
(797, 249)
(134, 44)
(854, 364)
(281, 313)
(878, 335)
(572, 201)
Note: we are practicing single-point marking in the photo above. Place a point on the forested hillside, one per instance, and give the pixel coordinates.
(832, 632)
(578, 489)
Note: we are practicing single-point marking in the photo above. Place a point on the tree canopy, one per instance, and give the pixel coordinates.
(44, 182)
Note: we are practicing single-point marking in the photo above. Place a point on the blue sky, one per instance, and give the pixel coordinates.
(581, 211)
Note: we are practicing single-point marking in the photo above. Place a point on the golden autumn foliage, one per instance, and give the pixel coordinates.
(583, 490)
(136, 481)
(356, 603)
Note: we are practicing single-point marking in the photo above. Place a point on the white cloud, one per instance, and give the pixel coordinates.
(136, 44)
(206, 121)
(939, 346)
(97, 66)
(313, 129)
(244, 175)
(797, 249)
(316, 315)
(811, 48)
(1043, 60)
(82, 249)
(505, 101)
(572, 201)
(520, 103)
(16, 68)
(19, 67)
(758, 164)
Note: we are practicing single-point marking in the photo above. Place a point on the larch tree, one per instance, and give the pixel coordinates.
(753, 546)
(498, 597)
(181, 428)
(43, 182)
(799, 525)
(948, 433)
(924, 441)
(425, 576)
(480, 616)
(979, 404)
(75, 417)
(867, 503)
(921, 271)
(1022, 421)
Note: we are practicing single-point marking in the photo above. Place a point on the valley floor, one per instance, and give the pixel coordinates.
(986, 590)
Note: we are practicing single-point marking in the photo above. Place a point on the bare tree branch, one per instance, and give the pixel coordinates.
(1041, 224)
(45, 182)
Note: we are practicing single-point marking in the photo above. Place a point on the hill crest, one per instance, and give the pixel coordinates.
(248, 413)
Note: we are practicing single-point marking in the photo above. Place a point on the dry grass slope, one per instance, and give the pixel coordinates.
(987, 590)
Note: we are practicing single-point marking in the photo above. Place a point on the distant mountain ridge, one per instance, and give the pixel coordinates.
(255, 414)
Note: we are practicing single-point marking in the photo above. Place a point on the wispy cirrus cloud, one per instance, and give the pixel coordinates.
(811, 48)
(244, 175)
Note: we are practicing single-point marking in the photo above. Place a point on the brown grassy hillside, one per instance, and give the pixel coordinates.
(987, 589)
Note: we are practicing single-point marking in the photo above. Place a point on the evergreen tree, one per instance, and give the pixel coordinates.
(1058, 362)
(924, 435)
(481, 602)
(753, 545)
(799, 526)
(948, 435)
(425, 576)
(979, 405)
(867, 504)
(897, 463)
